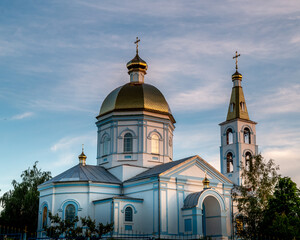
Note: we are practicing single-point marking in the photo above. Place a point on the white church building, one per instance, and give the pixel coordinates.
(136, 183)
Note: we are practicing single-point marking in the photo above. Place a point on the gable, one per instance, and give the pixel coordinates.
(195, 169)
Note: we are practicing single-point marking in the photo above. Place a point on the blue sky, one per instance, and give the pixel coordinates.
(59, 59)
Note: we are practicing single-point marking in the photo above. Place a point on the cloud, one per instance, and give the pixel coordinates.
(67, 149)
(279, 100)
(68, 143)
(22, 116)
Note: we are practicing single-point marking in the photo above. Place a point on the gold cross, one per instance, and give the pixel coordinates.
(137, 44)
(82, 147)
(236, 59)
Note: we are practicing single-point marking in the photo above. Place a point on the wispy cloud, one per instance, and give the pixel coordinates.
(22, 116)
(279, 100)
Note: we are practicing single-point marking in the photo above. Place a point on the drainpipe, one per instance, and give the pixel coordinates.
(232, 217)
(159, 208)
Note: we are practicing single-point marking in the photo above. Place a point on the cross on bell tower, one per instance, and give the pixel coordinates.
(236, 59)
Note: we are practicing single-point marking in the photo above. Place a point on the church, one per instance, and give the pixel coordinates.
(136, 183)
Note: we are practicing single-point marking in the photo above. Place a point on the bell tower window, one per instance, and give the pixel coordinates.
(229, 163)
(231, 107)
(247, 160)
(155, 144)
(128, 143)
(242, 106)
(247, 138)
(229, 136)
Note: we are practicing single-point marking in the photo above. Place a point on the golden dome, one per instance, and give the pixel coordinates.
(135, 97)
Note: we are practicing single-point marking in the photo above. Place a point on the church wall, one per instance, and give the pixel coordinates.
(80, 194)
(146, 190)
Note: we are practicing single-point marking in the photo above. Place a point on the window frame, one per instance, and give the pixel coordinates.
(128, 218)
(155, 144)
(128, 143)
(229, 162)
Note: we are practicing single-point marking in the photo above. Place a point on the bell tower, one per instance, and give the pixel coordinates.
(238, 134)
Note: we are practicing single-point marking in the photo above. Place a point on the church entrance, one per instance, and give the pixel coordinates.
(211, 218)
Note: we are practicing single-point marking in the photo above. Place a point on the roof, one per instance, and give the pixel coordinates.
(155, 171)
(84, 174)
(135, 97)
(192, 200)
(237, 106)
(124, 197)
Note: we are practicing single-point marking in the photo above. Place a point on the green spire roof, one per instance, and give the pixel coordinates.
(237, 106)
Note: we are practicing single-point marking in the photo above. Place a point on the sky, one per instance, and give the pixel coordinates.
(59, 59)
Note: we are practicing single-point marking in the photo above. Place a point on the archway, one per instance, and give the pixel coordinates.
(211, 217)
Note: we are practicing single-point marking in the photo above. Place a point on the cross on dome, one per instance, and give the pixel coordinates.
(236, 59)
(137, 44)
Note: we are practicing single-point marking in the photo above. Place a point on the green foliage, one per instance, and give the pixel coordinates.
(253, 195)
(282, 218)
(20, 205)
(69, 229)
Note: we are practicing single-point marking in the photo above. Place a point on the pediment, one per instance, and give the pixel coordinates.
(195, 169)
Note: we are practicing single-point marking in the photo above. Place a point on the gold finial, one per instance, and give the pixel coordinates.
(205, 182)
(137, 44)
(236, 59)
(82, 157)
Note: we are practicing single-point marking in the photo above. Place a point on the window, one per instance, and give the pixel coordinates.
(231, 107)
(70, 212)
(248, 160)
(229, 163)
(242, 106)
(128, 214)
(128, 142)
(45, 216)
(188, 225)
(247, 138)
(229, 136)
(105, 146)
(155, 144)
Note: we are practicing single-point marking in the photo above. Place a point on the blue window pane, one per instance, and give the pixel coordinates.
(128, 214)
(128, 142)
(187, 225)
(128, 228)
(70, 212)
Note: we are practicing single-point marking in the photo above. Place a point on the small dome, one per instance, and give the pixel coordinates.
(137, 64)
(236, 76)
(134, 97)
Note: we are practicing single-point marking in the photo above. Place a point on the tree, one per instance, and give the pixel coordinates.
(252, 196)
(20, 205)
(68, 228)
(282, 218)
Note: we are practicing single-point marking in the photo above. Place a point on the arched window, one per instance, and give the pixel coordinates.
(45, 216)
(70, 212)
(229, 162)
(128, 214)
(229, 136)
(247, 138)
(105, 146)
(155, 144)
(247, 160)
(128, 142)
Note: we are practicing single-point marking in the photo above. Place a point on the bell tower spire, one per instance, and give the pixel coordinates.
(238, 134)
